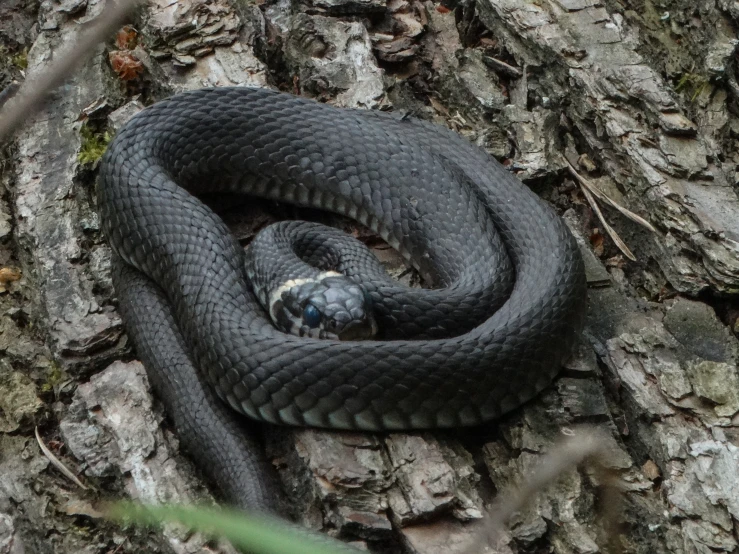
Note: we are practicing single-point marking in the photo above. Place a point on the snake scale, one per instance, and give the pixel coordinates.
(449, 208)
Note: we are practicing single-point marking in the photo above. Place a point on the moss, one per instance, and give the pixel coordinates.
(693, 84)
(9, 59)
(20, 60)
(54, 378)
(93, 145)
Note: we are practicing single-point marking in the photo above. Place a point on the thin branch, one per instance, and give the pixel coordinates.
(57, 463)
(592, 192)
(603, 197)
(589, 445)
(611, 233)
(31, 95)
(500, 65)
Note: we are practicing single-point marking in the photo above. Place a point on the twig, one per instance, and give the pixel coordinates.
(592, 192)
(32, 93)
(611, 233)
(588, 445)
(603, 197)
(56, 462)
(503, 67)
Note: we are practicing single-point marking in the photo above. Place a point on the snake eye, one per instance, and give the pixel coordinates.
(311, 316)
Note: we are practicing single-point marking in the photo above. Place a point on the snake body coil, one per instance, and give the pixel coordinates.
(452, 210)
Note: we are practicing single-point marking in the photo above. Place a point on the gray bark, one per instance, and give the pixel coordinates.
(639, 99)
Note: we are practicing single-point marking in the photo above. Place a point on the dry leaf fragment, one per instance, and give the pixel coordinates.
(439, 107)
(8, 275)
(125, 64)
(596, 241)
(586, 163)
(126, 38)
(651, 470)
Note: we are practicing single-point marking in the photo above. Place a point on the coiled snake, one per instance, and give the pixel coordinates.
(454, 212)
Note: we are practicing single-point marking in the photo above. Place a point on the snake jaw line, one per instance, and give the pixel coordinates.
(344, 308)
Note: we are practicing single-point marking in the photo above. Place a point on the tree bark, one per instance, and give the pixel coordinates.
(638, 99)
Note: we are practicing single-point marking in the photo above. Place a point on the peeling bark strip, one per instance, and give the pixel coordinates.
(111, 426)
(538, 83)
(51, 209)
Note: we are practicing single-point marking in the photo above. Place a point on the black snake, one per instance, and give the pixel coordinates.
(454, 212)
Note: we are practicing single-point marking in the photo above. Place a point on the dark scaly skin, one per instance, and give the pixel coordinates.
(213, 434)
(435, 197)
(290, 250)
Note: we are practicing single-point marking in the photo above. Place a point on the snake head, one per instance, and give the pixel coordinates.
(329, 306)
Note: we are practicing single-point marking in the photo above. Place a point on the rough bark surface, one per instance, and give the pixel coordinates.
(639, 97)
